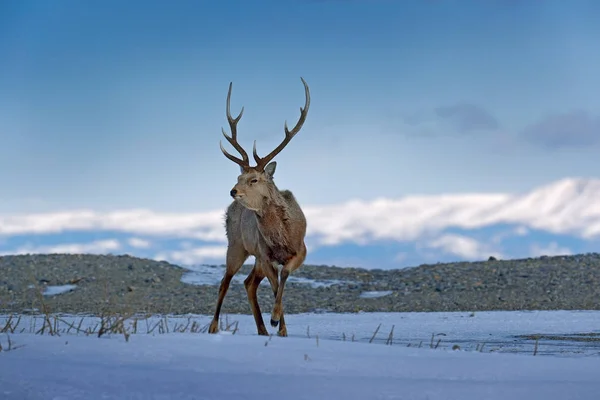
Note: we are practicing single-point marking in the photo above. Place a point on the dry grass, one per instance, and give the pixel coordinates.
(9, 346)
(389, 340)
(126, 323)
(132, 324)
(110, 322)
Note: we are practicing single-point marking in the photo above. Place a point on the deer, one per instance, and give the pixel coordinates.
(261, 221)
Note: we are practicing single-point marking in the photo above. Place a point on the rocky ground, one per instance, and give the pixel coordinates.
(129, 284)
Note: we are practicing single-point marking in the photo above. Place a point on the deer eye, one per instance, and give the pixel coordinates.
(254, 180)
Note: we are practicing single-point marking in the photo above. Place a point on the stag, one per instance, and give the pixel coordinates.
(264, 222)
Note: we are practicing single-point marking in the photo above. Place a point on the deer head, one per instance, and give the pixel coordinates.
(254, 184)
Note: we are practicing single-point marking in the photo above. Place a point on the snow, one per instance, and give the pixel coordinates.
(54, 290)
(374, 294)
(212, 275)
(246, 366)
(497, 330)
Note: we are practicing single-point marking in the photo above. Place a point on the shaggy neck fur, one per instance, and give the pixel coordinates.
(273, 225)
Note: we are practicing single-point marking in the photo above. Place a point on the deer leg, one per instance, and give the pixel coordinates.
(272, 275)
(288, 268)
(251, 283)
(236, 255)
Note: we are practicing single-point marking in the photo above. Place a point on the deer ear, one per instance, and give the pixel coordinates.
(270, 169)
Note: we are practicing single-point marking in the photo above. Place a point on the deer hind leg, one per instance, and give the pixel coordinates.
(236, 255)
(287, 269)
(273, 276)
(251, 283)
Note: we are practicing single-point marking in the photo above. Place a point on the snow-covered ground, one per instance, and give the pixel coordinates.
(314, 362)
(496, 331)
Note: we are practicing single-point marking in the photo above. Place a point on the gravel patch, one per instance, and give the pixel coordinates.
(128, 284)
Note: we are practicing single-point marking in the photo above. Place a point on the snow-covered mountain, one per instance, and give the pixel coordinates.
(558, 218)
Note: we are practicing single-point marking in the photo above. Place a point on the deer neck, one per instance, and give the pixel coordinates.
(273, 218)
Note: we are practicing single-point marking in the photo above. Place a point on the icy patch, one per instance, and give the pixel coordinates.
(316, 284)
(54, 290)
(203, 275)
(374, 294)
(211, 275)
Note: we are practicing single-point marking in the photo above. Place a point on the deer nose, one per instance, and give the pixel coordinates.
(233, 192)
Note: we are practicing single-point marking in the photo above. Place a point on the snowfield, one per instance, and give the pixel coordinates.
(312, 363)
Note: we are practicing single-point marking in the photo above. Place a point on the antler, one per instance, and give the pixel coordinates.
(262, 162)
(244, 162)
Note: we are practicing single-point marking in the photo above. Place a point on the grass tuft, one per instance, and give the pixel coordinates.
(374, 333)
(9, 345)
(433, 335)
(390, 338)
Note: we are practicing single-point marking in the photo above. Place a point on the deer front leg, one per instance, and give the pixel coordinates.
(273, 276)
(236, 255)
(288, 268)
(251, 283)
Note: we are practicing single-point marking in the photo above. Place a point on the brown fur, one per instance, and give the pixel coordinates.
(263, 222)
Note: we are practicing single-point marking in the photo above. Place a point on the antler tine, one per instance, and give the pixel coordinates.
(244, 161)
(262, 162)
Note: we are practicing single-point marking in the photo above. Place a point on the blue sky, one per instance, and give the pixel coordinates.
(109, 106)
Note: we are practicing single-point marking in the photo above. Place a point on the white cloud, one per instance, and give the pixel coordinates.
(569, 206)
(206, 226)
(139, 243)
(198, 255)
(463, 247)
(96, 247)
(552, 249)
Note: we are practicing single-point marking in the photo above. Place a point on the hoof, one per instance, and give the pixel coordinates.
(274, 323)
